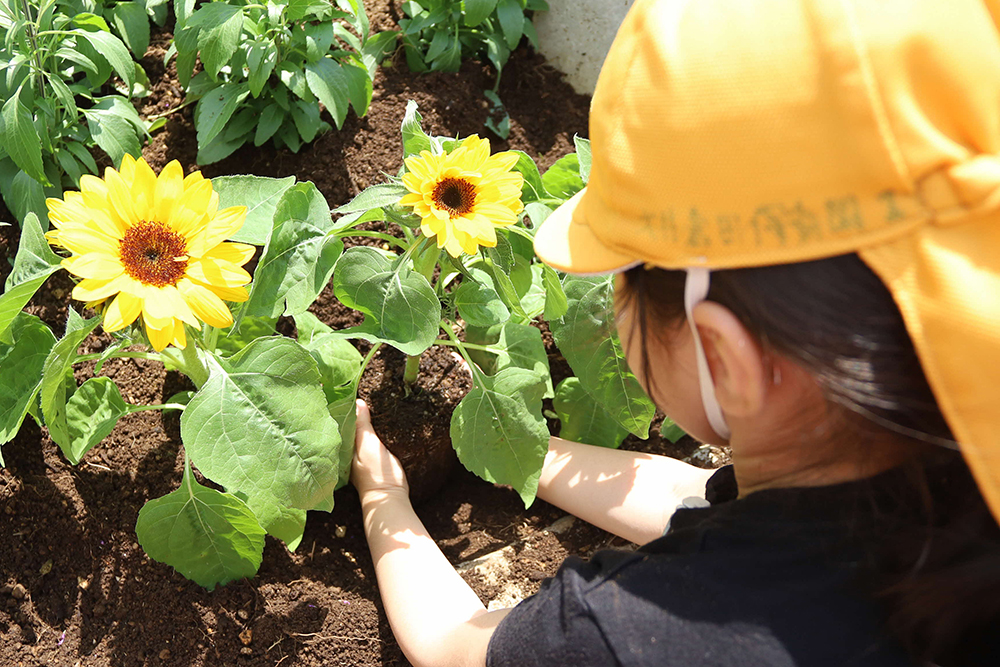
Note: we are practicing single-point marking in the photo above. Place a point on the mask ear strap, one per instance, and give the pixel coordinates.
(695, 291)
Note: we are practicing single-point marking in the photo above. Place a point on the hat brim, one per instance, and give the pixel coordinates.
(565, 242)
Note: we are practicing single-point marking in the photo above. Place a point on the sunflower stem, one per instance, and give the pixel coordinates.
(412, 369)
(186, 360)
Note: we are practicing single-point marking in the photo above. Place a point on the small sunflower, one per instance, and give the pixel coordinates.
(463, 196)
(154, 244)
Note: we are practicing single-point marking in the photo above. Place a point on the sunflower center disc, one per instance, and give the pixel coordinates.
(153, 254)
(455, 195)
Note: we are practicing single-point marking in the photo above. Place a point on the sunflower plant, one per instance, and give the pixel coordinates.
(159, 259)
(462, 273)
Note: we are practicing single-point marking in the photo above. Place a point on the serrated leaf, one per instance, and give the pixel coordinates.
(216, 108)
(515, 346)
(113, 50)
(375, 196)
(57, 370)
(245, 332)
(219, 25)
(299, 256)
(400, 306)
(33, 263)
(587, 338)
(329, 83)
(20, 139)
(260, 195)
(499, 433)
(91, 415)
(562, 180)
(21, 363)
(479, 304)
(556, 304)
(133, 25)
(582, 419)
(259, 425)
(112, 123)
(261, 59)
(414, 137)
(208, 536)
(583, 156)
(22, 194)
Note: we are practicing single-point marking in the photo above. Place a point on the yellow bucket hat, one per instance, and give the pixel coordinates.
(737, 134)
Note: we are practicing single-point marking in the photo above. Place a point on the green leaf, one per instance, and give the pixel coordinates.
(91, 415)
(114, 125)
(20, 140)
(498, 268)
(91, 20)
(22, 194)
(57, 374)
(479, 304)
(556, 304)
(537, 213)
(299, 256)
(671, 431)
(33, 263)
(329, 83)
(400, 306)
(375, 196)
(259, 425)
(359, 86)
(476, 11)
(414, 137)
(216, 108)
(245, 332)
(21, 363)
(260, 195)
(583, 156)
(305, 115)
(219, 25)
(515, 346)
(344, 411)
(511, 16)
(261, 59)
(532, 189)
(133, 25)
(499, 433)
(582, 419)
(208, 536)
(562, 180)
(270, 120)
(113, 50)
(586, 337)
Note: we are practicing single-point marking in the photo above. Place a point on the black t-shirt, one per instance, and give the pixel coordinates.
(768, 580)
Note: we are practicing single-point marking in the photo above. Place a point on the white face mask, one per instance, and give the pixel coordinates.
(695, 291)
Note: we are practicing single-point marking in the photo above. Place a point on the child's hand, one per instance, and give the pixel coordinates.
(374, 468)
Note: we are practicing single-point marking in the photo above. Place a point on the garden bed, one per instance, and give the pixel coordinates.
(75, 587)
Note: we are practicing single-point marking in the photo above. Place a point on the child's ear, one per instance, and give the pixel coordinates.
(735, 358)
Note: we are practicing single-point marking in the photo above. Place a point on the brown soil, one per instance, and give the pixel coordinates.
(76, 589)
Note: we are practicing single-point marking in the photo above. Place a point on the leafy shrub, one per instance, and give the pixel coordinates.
(267, 67)
(55, 67)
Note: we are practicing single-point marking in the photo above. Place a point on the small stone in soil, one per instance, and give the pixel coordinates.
(165, 654)
(19, 592)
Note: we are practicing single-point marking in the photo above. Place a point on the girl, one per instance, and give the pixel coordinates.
(800, 200)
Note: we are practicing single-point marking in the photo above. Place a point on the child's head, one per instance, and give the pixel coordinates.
(851, 147)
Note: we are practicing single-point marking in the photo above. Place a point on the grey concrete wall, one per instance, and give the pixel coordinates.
(575, 35)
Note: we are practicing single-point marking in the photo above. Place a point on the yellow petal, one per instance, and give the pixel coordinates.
(143, 191)
(180, 338)
(234, 294)
(225, 223)
(120, 197)
(80, 240)
(94, 265)
(217, 272)
(206, 305)
(159, 338)
(194, 200)
(163, 303)
(237, 253)
(92, 289)
(169, 188)
(122, 311)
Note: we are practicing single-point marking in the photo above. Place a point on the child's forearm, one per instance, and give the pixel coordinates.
(629, 494)
(436, 618)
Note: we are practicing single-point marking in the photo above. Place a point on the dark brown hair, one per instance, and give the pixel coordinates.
(936, 569)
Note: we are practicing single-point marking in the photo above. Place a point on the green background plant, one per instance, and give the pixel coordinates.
(267, 66)
(55, 71)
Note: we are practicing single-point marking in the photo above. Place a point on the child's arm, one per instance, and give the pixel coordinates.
(629, 494)
(436, 618)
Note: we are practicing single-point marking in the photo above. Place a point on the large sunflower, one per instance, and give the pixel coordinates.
(463, 196)
(154, 244)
